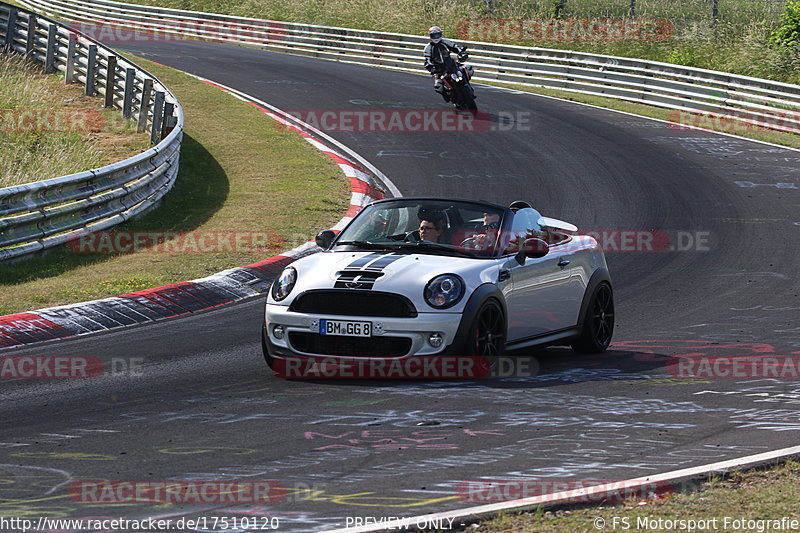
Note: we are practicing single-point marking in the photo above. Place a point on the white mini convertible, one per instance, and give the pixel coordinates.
(411, 277)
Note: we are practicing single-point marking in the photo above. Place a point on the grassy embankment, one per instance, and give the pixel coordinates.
(239, 172)
(50, 129)
(755, 495)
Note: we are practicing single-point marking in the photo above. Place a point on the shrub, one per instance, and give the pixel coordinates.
(788, 34)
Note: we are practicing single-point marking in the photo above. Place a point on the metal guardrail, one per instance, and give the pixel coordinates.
(763, 103)
(48, 213)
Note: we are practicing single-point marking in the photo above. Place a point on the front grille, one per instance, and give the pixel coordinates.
(350, 346)
(355, 303)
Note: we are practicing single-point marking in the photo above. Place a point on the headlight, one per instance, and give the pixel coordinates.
(444, 291)
(284, 284)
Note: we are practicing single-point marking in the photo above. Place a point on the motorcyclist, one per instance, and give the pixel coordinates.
(435, 53)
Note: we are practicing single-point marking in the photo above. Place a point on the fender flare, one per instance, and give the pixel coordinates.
(600, 275)
(480, 295)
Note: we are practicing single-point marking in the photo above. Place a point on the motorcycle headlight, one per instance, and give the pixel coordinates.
(282, 286)
(444, 291)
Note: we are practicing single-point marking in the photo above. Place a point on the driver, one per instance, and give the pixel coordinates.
(432, 224)
(435, 53)
(430, 229)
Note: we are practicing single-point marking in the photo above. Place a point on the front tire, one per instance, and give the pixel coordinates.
(598, 322)
(469, 99)
(267, 357)
(487, 335)
(463, 99)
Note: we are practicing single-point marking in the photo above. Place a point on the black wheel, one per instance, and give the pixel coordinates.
(598, 323)
(487, 336)
(462, 99)
(469, 101)
(267, 357)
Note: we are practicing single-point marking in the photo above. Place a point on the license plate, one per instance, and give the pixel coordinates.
(345, 328)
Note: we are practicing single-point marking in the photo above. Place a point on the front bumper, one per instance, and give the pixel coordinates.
(413, 331)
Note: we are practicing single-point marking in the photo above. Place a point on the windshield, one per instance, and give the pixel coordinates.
(426, 226)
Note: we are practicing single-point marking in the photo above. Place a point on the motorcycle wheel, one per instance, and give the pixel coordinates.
(463, 100)
(469, 102)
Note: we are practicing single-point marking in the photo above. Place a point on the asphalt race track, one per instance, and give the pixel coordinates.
(205, 407)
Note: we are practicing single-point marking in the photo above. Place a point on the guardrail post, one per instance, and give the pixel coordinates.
(111, 77)
(127, 99)
(147, 91)
(158, 110)
(11, 28)
(30, 43)
(52, 46)
(559, 7)
(91, 67)
(168, 123)
(714, 11)
(69, 77)
(632, 9)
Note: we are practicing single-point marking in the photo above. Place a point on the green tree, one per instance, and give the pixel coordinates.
(788, 34)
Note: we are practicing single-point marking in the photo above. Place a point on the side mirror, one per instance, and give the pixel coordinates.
(535, 248)
(325, 238)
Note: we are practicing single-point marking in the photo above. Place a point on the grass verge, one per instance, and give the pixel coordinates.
(239, 172)
(49, 128)
(750, 497)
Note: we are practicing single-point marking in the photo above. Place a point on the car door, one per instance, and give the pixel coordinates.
(541, 297)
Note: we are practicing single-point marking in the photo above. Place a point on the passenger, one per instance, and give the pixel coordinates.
(486, 237)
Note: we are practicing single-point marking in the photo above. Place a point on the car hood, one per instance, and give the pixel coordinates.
(402, 273)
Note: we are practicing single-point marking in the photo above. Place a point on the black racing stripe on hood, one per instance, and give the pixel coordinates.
(384, 261)
(361, 261)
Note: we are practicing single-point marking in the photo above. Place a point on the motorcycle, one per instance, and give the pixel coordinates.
(456, 78)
